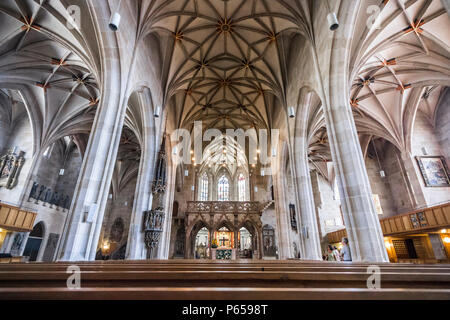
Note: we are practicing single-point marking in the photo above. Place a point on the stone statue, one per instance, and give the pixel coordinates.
(61, 201)
(17, 244)
(41, 192)
(10, 167)
(66, 203)
(48, 196)
(33, 191)
(55, 199)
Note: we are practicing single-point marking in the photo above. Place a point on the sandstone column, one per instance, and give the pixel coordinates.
(360, 216)
(282, 210)
(83, 225)
(306, 215)
(136, 249)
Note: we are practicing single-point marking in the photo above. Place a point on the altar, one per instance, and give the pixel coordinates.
(224, 254)
(223, 245)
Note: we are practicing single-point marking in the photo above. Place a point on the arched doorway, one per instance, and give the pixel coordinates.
(201, 245)
(34, 242)
(245, 244)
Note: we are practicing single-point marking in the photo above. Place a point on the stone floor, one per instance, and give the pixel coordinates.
(218, 280)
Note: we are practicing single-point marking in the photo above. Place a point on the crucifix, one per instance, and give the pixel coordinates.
(223, 241)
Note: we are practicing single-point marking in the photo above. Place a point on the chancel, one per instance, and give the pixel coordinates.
(189, 149)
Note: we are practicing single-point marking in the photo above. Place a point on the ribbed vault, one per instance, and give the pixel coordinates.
(401, 66)
(226, 59)
(223, 152)
(49, 64)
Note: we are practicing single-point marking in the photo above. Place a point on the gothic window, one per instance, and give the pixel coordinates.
(241, 187)
(223, 189)
(204, 187)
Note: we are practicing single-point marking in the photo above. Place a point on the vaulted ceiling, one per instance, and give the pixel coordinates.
(223, 152)
(48, 63)
(223, 62)
(227, 58)
(401, 66)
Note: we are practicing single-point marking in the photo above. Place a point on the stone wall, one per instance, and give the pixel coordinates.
(327, 204)
(4, 122)
(442, 126)
(120, 206)
(381, 187)
(392, 164)
(53, 220)
(425, 136)
(47, 173)
(66, 183)
(404, 181)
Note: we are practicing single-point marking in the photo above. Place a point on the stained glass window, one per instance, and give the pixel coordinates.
(223, 189)
(241, 187)
(204, 187)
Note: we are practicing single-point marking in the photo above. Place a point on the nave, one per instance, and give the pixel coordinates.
(182, 147)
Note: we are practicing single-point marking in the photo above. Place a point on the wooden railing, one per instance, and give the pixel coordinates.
(437, 217)
(15, 219)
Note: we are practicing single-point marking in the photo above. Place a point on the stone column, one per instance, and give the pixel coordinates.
(136, 249)
(306, 215)
(360, 216)
(304, 198)
(187, 247)
(83, 225)
(317, 200)
(282, 210)
(259, 244)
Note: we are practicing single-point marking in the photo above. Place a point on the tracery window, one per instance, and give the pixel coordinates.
(223, 189)
(241, 187)
(204, 187)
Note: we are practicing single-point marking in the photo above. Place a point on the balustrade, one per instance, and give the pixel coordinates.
(235, 207)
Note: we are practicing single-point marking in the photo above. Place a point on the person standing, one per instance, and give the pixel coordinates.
(345, 251)
(337, 254)
(330, 255)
